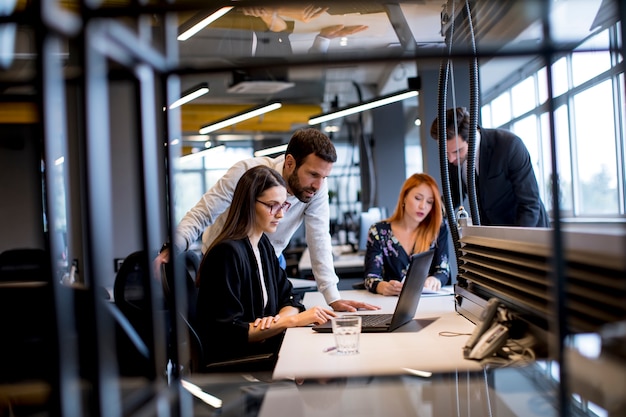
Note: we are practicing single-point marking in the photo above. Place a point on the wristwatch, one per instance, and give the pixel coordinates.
(166, 245)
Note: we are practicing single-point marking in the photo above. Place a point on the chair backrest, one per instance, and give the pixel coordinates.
(131, 298)
(129, 288)
(191, 262)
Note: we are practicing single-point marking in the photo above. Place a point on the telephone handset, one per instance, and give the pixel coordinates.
(489, 335)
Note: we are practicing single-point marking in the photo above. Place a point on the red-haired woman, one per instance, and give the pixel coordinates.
(416, 225)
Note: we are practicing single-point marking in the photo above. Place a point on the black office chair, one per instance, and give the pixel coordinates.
(131, 298)
(191, 263)
(197, 361)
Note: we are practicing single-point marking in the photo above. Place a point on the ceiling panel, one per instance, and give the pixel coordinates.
(376, 58)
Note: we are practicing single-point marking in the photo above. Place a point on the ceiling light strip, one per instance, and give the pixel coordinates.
(362, 107)
(203, 23)
(191, 94)
(203, 153)
(271, 151)
(240, 117)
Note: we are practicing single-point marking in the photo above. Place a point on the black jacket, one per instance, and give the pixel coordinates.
(230, 297)
(508, 194)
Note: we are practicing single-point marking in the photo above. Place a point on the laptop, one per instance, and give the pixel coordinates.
(407, 300)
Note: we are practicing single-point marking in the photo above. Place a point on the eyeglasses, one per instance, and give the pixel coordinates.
(274, 207)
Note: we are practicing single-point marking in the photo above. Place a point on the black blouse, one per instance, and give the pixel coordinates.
(386, 259)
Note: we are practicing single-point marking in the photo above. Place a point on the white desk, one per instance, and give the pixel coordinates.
(302, 356)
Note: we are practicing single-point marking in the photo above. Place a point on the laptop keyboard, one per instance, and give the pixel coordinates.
(375, 320)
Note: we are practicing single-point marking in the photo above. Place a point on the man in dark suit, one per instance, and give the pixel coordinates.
(506, 186)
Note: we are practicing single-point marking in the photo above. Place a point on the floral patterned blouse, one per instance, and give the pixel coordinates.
(386, 259)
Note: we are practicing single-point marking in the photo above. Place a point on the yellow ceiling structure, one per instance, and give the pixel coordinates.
(286, 119)
(193, 116)
(18, 113)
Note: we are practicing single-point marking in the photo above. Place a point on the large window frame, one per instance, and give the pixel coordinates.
(598, 196)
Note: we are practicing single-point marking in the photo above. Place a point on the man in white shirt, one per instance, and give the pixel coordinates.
(307, 162)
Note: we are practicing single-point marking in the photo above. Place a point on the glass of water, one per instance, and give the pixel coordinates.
(347, 330)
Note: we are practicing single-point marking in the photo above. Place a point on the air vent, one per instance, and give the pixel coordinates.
(259, 87)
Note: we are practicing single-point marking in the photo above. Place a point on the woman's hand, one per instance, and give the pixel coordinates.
(314, 315)
(264, 323)
(432, 284)
(392, 287)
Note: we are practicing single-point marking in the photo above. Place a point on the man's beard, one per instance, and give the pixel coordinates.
(296, 189)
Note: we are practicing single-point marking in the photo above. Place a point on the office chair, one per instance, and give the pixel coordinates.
(131, 298)
(197, 361)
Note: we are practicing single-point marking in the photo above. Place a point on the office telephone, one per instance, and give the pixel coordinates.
(491, 332)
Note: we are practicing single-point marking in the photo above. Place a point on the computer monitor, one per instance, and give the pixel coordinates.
(367, 219)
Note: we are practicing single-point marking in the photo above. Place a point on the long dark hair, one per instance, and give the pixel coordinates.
(242, 212)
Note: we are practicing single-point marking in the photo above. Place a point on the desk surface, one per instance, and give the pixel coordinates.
(302, 352)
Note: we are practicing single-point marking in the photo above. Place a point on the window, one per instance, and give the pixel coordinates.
(588, 127)
(503, 105)
(595, 162)
(528, 130)
(593, 60)
(195, 175)
(523, 97)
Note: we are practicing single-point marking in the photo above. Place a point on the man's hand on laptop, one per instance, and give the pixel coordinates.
(350, 305)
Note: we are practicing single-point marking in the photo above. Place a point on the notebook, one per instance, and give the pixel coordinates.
(407, 300)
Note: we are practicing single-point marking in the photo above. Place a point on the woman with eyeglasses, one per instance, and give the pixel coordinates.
(245, 301)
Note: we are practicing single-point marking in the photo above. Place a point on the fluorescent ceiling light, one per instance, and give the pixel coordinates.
(203, 23)
(199, 393)
(248, 114)
(196, 138)
(202, 153)
(346, 111)
(191, 94)
(225, 137)
(272, 150)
